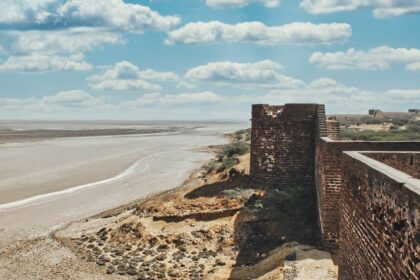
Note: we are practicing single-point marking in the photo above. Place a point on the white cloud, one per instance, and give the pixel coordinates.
(262, 74)
(414, 66)
(381, 8)
(259, 33)
(72, 40)
(175, 99)
(56, 14)
(220, 4)
(119, 85)
(72, 98)
(64, 28)
(44, 63)
(63, 103)
(379, 58)
(338, 97)
(185, 84)
(403, 94)
(127, 76)
(55, 50)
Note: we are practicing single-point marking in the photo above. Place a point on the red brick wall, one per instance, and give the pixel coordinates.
(329, 182)
(406, 162)
(379, 228)
(289, 148)
(283, 144)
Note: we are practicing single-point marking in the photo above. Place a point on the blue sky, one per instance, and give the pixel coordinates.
(205, 59)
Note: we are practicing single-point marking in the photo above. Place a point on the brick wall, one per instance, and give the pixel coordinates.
(290, 147)
(408, 162)
(283, 144)
(329, 174)
(333, 129)
(379, 230)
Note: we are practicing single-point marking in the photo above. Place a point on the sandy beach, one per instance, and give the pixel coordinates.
(45, 184)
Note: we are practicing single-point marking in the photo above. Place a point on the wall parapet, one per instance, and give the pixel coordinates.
(379, 220)
(329, 174)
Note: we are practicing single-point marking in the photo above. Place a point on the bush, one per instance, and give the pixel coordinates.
(229, 162)
(414, 126)
(209, 167)
(242, 135)
(410, 134)
(234, 149)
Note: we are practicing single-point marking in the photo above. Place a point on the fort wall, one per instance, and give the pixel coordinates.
(283, 144)
(379, 220)
(368, 207)
(408, 162)
(329, 174)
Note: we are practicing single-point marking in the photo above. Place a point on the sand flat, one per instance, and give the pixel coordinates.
(37, 168)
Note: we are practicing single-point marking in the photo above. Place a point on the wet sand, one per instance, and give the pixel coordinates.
(45, 184)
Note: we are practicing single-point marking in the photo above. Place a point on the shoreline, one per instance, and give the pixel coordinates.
(41, 198)
(171, 160)
(36, 135)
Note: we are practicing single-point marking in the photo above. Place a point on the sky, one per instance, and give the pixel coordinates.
(205, 59)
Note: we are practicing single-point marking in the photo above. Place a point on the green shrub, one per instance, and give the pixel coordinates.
(234, 149)
(410, 134)
(242, 135)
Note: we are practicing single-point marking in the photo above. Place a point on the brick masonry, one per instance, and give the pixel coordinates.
(329, 174)
(283, 144)
(294, 145)
(379, 227)
(408, 162)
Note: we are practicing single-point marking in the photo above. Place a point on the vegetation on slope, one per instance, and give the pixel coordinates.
(227, 155)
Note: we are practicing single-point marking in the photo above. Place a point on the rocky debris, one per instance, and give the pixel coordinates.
(176, 256)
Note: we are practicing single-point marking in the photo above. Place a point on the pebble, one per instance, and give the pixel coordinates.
(110, 269)
(142, 276)
(132, 271)
(161, 257)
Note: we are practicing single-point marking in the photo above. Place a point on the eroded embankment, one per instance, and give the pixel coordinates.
(208, 229)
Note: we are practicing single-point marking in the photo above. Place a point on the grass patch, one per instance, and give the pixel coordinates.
(410, 133)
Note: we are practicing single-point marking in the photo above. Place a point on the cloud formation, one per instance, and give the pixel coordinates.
(73, 98)
(71, 40)
(381, 8)
(175, 99)
(410, 95)
(62, 29)
(58, 14)
(379, 58)
(259, 33)
(220, 4)
(337, 96)
(261, 74)
(45, 63)
(127, 76)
